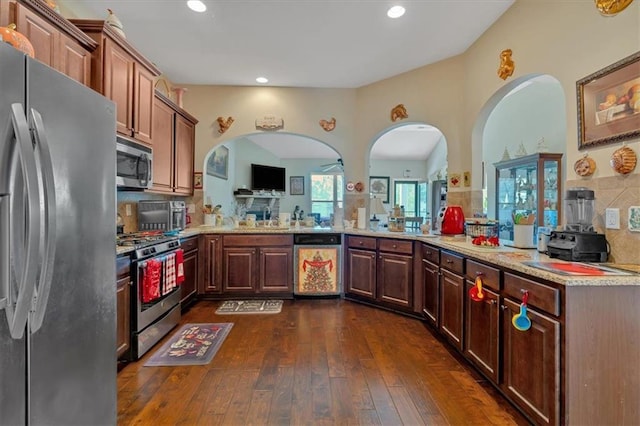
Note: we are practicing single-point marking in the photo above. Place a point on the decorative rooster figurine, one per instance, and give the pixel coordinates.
(224, 124)
(328, 125)
(399, 112)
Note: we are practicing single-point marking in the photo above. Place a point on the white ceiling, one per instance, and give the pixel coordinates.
(295, 43)
(301, 43)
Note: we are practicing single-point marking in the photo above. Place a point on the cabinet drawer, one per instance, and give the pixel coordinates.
(490, 276)
(541, 296)
(256, 240)
(395, 246)
(430, 253)
(361, 242)
(452, 262)
(189, 244)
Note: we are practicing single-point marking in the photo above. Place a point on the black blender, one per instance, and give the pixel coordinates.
(579, 241)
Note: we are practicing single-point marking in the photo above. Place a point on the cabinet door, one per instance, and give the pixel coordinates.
(482, 331)
(451, 303)
(240, 269)
(395, 279)
(163, 146)
(430, 292)
(184, 143)
(143, 104)
(212, 282)
(43, 36)
(361, 273)
(531, 364)
(118, 85)
(74, 60)
(123, 304)
(276, 269)
(188, 286)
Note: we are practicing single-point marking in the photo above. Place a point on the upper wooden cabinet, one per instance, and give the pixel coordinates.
(126, 77)
(56, 41)
(173, 147)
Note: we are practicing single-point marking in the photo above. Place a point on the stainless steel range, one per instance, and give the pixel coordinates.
(155, 295)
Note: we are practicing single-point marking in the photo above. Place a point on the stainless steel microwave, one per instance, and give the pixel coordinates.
(133, 165)
(156, 215)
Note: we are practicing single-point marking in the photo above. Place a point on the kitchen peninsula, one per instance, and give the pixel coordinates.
(576, 364)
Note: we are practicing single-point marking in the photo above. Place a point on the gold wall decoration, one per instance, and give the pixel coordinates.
(399, 112)
(224, 124)
(328, 125)
(506, 64)
(612, 7)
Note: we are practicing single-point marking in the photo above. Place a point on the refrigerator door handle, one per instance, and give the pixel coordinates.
(48, 216)
(19, 300)
(5, 261)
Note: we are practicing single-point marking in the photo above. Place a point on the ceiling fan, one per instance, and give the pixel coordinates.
(331, 167)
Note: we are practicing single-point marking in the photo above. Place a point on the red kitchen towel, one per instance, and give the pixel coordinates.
(170, 273)
(179, 266)
(151, 280)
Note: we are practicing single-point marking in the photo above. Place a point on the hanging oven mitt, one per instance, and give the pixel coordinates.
(179, 266)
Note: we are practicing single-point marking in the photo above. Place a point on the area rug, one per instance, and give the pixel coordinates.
(231, 307)
(193, 344)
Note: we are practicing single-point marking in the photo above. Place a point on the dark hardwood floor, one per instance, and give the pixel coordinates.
(322, 361)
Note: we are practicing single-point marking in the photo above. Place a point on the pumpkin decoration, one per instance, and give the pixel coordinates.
(9, 35)
(585, 166)
(623, 160)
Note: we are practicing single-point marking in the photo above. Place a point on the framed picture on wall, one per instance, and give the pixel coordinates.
(296, 185)
(609, 104)
(218, 163)
(379, 187)
(197, 180)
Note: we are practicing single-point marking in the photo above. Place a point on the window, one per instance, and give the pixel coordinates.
(326, 195)
(412, 195)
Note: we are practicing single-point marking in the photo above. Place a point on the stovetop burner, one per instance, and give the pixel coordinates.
(147, 243)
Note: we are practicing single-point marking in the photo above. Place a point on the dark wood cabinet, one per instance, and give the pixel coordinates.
(451, 307)
(173, 148)
(482, 331)
(212, 261)
(56, 42)
(191, 266)
(395, 276)
(431, 284)
(531, 364)
(361, 273)
(126, 77)
(123, 305)
(257, 265)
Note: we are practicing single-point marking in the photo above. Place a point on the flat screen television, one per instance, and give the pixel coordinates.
(269, 178)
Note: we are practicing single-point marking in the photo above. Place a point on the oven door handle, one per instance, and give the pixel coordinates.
(48, 213)
(18, 287)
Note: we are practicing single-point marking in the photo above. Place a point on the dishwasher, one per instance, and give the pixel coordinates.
(317, 265)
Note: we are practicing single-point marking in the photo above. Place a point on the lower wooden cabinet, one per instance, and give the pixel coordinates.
(191, 267)
(451, 307)
(531, 364)
(361, 273)
(212, 262)
(257, 264)
(482, 331)
(123, 305)
(395, 277)
(431, 284)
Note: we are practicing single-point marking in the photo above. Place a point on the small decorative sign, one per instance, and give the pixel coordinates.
(269, 122)
(197, 180)
(454, 180)
(467, 178)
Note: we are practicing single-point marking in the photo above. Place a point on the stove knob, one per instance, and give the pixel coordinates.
(145, 252)
(572, 237)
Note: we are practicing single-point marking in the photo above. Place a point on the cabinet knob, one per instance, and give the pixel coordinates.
(395, 246)
(503, 307)
(360, 243)
(478, 273)
(428, 253)
(373, 256)
(449, 261)
(492, 302)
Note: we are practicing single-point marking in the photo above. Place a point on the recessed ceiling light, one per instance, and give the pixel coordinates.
(262, 80)
(196, 5)
(395, 12)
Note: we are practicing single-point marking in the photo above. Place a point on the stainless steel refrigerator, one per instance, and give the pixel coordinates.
(57, 248)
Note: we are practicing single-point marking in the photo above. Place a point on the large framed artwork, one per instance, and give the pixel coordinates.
(218, 163)
(609, 104)
(379, 187)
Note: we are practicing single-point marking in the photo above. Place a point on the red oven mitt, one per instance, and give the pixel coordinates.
(151, 280)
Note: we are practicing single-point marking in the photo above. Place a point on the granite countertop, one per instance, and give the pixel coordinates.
(507, 257)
